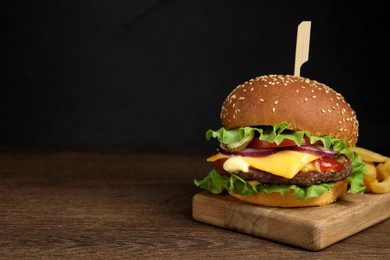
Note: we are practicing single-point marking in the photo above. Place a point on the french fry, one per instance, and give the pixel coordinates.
(368, 155)
(380, 187)
(377, 177)
(369, 176)
(383, 170)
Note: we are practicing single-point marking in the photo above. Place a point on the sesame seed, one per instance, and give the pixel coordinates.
(276, 102)
(323, 110)
(306, 99)
(297, 90)
(314, 96)
(261, 100)
(273, 110)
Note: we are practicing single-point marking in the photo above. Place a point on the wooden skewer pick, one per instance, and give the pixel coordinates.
(302, 47)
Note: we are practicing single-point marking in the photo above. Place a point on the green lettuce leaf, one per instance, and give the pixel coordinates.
(275, 134)
(216, 184)
(356, 177)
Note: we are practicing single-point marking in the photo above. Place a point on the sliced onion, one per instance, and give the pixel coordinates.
(248, 152)
(314, 149)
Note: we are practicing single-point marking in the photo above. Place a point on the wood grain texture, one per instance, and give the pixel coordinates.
(131, 204)
(312, 228)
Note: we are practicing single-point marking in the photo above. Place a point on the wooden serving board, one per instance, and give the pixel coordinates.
(312, 228)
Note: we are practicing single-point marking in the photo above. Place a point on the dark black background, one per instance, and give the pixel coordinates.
(155, 73)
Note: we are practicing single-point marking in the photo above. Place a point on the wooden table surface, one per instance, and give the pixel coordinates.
(123, 203)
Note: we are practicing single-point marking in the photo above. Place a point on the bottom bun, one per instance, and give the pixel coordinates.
(276, 199)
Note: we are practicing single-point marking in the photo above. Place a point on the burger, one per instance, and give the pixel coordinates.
(285, 142)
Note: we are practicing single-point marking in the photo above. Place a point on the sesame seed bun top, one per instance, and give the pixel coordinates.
(305, 104)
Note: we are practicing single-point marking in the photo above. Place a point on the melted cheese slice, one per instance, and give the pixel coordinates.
(284, 163)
